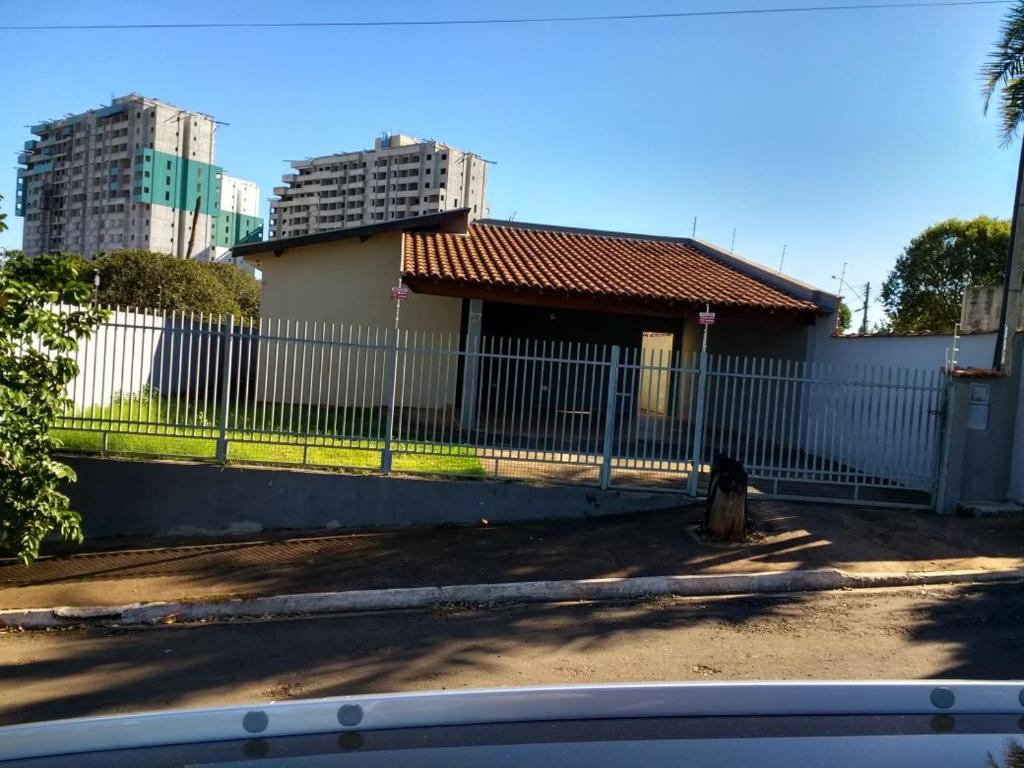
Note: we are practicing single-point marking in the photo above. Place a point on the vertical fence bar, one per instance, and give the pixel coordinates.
(609, 418)
(225, 389)
(698, 432)
(390, 383)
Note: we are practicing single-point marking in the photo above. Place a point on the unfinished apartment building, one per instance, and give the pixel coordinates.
(138, 173)
(399, 178)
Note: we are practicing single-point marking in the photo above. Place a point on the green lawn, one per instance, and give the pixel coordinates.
(362, 452)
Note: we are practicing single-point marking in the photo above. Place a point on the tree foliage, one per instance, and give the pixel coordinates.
(1003, 72)
(139, 278)
(844, 318)
(37, 346)
(924, 291)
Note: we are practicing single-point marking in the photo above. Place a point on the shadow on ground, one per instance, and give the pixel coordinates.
(81, 672)
(983, 626)
(794, 536)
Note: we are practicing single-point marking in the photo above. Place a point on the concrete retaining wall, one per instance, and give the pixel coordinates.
(119, 497)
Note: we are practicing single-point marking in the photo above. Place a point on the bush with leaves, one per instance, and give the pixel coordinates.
(242, 286)
(139, 278)
(37, 347)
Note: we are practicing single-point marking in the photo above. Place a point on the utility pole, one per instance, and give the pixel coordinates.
(195, 223)
(867, 298)
(1013, 277)
(842, 279)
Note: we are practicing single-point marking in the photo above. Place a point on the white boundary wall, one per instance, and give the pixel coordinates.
(117, 360)
(927, 352)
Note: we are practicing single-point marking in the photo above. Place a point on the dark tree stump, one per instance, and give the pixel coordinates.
(725, 514)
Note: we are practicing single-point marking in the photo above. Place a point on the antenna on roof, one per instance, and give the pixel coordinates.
(732, 245)
(783, 259)
(694, 233)
(513, 216)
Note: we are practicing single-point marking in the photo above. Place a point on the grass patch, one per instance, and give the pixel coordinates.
(120, 421)
(358, 454)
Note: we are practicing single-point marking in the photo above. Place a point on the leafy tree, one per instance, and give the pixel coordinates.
(844, 318)
(924, 291)
(37, 346)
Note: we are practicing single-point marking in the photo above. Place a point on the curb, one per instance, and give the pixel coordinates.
(522, 592)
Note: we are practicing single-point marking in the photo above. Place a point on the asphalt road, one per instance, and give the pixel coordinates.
(967, 632)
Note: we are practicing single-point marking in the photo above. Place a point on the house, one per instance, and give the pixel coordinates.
(531, 281)
(499, 288)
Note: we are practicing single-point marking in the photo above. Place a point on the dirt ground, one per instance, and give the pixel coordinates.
(793, 536)
(965, 632)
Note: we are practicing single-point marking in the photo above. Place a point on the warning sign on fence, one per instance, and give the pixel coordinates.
(706, 318)
(399, 292)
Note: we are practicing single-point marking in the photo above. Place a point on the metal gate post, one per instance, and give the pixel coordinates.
(391, 382)
(609, 418)
(698, 432)
(225, 389)
(943, 430)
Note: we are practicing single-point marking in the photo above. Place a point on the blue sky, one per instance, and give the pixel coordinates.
(840, 135)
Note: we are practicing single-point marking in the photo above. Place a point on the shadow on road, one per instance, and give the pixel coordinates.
(104, 671)
(983, 625)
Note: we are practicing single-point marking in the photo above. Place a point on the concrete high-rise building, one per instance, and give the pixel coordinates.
(399, 178)
(138, 173)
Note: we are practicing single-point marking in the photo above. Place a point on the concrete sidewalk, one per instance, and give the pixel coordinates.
(792, 537)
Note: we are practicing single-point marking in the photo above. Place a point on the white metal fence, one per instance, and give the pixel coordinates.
(370, 398)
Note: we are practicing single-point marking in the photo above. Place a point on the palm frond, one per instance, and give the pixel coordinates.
(1005, 70)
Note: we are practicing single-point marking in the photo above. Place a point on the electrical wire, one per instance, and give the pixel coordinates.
(521, 20)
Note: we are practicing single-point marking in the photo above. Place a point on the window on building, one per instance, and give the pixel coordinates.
(168, 168)
(167, 195)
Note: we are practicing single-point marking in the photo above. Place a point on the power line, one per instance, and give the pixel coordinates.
(522, 20)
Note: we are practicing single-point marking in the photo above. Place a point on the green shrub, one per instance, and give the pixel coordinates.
(37, 360)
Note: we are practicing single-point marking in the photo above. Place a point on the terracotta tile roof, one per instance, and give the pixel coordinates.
(567, 262)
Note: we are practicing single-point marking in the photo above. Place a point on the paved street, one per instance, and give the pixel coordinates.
(967, 632)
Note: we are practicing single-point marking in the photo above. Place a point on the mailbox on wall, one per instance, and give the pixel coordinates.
(977, 407)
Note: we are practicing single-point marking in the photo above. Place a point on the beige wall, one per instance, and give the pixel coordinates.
(344, 284)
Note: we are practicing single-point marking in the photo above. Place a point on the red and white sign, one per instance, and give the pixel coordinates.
(399, 292)
(706, 318)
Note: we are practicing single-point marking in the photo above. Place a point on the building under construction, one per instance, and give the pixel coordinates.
(138, 173)
(401, 177)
